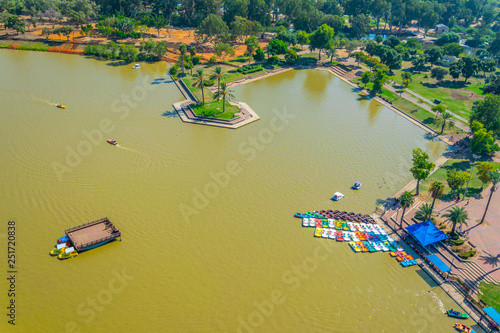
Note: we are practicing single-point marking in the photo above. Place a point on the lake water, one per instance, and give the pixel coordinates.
(209, 239)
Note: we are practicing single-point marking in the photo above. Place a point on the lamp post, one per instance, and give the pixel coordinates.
(475, 157)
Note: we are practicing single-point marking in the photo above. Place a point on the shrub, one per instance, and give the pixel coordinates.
(457, 241)
(274, 60)
(454, 237)
(467, 254)
(249, 69)
(456, 249)
(173, 70)
(212, 60)
(195, 60)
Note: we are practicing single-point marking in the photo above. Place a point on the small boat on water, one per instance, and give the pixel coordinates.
(457, 314)
(354, 247)
(136, 66)
(58, 249)
(113, 142)
(463, 328)
(68, 253)
(357, 185)
(337, 196)
(60, 106)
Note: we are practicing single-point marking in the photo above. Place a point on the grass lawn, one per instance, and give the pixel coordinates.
(413, 110)
(455, 96)
(214, 109)
(490, 294)
(459, 164)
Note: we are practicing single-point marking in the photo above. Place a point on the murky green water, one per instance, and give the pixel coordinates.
(209, 241)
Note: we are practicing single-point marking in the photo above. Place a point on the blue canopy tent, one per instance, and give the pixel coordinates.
(439, 263)
(493, 314)
(426, 233)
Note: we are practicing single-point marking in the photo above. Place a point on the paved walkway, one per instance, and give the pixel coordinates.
(485, 236)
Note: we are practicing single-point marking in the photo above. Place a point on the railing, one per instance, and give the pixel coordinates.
(86, 224)
(113, 236)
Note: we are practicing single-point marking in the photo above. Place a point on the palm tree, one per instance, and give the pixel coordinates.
(445, 119)
(437, 190)
(199, 82)
(407, 80)
(218, 74)
(494, 178)
(457, 215)
(424, 213)
(225, 93)
(192, 52)
(406, 200)
(182, 50)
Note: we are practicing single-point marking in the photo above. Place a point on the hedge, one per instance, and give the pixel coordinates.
(457, 241)
(468, 254)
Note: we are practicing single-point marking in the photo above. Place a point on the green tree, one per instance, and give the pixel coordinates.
(252, 44)
(422, 167)
(218, 74)
(359, 56)
(160, 49)
(435, 54)
(378, 81)
(182, 50)
(192, 52)
(211, 28)
(277, 46)
(128, 52)
(456, 179)
(199, 82)
(439, 73)
(483, 170)
(331, 51)
(366, 78)
(424, 213)
(419, 62)
(487, 112)
(360, 24)
(453, 49)
(223, 50)
(455, 70)
(46, 32)
(483, 141)
(456, 215)
(259, 54)
(66, 31)
(302, 38)
(405, 200)
(470, 66)
(407, 80)
(158, 22)
(321, 38)
(494, 179)
(225, 93)
(291, 57)
(77, 17)
(436, 189)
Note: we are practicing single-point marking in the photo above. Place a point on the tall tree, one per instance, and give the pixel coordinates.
(470, 66)
(405, 200)
(487, 112)
(192, 52)
(437, 190)
(483, 141)
(483, 172)
(182, 50)
(218, 74)
(321, 38)
(252, 44)
(494, 179)
(424, 213)
(456, 215)
(225, 93)
(444, 119)
(407, 80)
(199, 82)
(422, 167)
(456, 179)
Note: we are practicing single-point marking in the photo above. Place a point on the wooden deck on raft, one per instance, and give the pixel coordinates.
(92, 233)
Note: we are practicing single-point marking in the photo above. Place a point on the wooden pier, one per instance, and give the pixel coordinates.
(92, 234)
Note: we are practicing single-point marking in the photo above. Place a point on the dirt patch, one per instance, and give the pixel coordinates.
(463, 97)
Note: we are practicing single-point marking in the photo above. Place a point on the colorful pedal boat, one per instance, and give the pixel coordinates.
(463, 328)
(340, 236)
(362, 246)
(354, 247)
(338, 225)
(113, 142)
(457, 314)
(68, 253)
(345, 226)
(318, 232)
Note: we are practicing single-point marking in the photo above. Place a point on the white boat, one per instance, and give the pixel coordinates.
(136, 66)
(357, 226)
(332, 234)
(365, 227)
(376, 246)
(357, 185)
(354, 237)
(331, 223)
(305, 222)
(347, 236)
(337, 196)
(312, 223)
(351, 226)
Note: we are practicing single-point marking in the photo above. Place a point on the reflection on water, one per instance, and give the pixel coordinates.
(203, 273)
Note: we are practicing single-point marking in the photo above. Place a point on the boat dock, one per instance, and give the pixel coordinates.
(92, 234)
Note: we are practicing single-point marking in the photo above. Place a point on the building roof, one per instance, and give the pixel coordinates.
(441, 25)
(438, 263)
(493, 314)
(426, 233)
